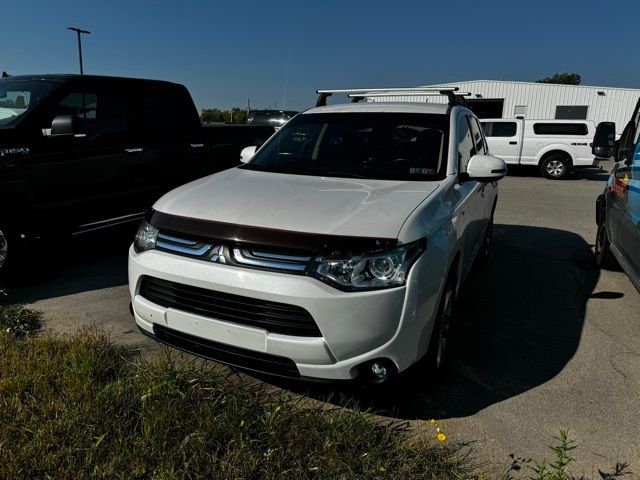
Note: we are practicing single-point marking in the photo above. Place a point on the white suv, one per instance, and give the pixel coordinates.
(336, 252)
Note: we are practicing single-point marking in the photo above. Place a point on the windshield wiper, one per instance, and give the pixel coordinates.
(344, 174)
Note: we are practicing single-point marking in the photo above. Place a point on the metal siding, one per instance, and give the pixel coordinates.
(541, 99)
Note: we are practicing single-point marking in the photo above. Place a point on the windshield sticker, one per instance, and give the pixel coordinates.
(422, 171)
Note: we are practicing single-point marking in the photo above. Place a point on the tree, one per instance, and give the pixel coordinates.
(235, 115)
(562, 79)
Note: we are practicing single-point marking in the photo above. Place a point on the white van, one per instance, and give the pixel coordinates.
(556, 146)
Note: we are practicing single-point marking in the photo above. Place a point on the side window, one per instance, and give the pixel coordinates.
(466, 147)
(478, 138)
(625, 144)
(97, 112)
(159, 109)
(499, 129)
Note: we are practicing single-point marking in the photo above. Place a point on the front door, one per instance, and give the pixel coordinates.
(86, 176)
(504, 139)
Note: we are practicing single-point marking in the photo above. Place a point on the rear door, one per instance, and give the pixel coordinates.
(503, 137)
(164, 134)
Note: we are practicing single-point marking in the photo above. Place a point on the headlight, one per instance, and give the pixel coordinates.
(370, 271)
(146, 237)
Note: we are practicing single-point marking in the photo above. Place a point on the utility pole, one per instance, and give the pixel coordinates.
(79, 32)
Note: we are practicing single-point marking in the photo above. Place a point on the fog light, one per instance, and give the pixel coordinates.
(379, 372)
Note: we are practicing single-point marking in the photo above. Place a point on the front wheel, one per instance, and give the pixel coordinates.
(604, 256)
(485, 248)
(555, 167)
(439, 343)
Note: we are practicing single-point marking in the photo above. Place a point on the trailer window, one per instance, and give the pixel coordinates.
(560, 129)
(499, 129)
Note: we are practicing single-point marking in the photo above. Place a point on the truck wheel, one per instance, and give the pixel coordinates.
(555, 167)
(438, 345)
(604, 256)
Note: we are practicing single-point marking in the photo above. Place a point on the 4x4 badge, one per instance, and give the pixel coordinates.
(218, 254)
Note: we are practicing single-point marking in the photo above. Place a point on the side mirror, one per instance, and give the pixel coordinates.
(247, 153)
(604, 140)
(65, 125)
(486, 168)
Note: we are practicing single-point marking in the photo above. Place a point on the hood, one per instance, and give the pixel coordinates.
(300, 203)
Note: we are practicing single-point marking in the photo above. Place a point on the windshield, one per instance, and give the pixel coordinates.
(393, 146)
(269, 118)
(17, 96)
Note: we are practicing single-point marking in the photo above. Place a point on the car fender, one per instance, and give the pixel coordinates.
(560, 147)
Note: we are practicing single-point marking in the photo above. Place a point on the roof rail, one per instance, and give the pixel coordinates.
(358, 94)
(458, 97)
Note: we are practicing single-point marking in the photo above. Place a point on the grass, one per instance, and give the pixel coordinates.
(81, 407)
(84, 408)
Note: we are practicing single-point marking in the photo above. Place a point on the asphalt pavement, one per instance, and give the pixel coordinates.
(544, 340)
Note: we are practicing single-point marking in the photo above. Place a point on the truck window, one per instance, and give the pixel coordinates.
(466, 148)
(98, 112)
(500, 129)
(569, 129)
(160, 109)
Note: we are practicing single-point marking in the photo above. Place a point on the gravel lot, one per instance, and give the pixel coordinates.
(544, 340)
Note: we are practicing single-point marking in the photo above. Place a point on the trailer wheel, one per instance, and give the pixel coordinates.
(555, 166)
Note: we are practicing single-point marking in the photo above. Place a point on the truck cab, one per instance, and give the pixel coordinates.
(82, 152)
(555, 146)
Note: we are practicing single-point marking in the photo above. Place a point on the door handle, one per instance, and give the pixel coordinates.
(513, 143)
(134, 150)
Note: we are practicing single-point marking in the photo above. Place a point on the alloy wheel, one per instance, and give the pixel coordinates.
(445, 327)
(556, 168)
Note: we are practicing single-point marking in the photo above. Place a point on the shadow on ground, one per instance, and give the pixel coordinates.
(520, 320)
(577, 174)
(86, 262)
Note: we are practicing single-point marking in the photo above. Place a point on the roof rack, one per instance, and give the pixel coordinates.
(458, 96)
(357, 94)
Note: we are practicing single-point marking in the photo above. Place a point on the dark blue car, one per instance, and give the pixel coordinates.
(618, 207)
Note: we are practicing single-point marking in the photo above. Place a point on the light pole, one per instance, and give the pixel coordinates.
(79, 32)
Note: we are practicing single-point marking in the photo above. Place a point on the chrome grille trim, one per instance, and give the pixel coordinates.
(182, 245)
(278, 256)
(171, 238)
(239, 257)
(230, 254)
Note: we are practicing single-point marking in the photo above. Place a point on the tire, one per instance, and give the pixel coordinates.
(555, 167)
(604, 256)
(485, 249)
(436, 356)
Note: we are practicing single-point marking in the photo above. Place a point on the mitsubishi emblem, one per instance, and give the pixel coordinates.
(218, 254)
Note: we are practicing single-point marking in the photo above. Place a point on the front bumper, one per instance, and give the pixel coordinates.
(355, 327)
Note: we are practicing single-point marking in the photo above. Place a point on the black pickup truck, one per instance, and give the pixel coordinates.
(81, 152)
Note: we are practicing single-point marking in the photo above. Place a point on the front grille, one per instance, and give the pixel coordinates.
(231, 254)
(271, 316)
(235, 356)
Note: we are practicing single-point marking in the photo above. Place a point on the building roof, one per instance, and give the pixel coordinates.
(452, 84)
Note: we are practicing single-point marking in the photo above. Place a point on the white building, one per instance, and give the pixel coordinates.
(503, 99)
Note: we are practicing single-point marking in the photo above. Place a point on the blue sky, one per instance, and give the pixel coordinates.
(278, 53)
